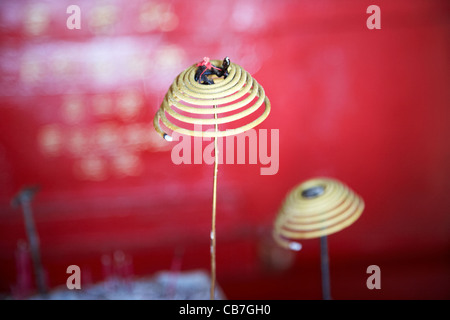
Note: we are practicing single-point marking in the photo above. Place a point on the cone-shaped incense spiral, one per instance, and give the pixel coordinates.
(231, 100)
(316, 208)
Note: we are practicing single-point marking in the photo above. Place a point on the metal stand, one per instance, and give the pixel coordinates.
(23, 199)
(213, 218)
(325, 269)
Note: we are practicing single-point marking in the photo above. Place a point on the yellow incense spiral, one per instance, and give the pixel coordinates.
(192, 103)
(315, 208)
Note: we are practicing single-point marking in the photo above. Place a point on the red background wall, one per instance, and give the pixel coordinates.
(368, 107)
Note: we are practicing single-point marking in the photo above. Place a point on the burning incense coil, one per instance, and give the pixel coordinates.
(315, 208)
(235, 98)
(190, 103)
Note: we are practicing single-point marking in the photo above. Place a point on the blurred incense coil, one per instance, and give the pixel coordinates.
(316, 208)
(189, 103)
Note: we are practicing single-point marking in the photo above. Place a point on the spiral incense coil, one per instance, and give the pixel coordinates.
(316, 208)
(232, 100)
(190, 103)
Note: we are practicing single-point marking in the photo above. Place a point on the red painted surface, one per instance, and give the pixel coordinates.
(368, 107)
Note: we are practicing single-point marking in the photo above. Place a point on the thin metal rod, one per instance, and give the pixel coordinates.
(324, 266)
(213, 226)
(23, 198)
